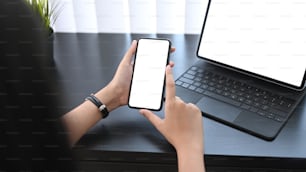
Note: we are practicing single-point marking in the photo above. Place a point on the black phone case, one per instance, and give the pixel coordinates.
(162, 95)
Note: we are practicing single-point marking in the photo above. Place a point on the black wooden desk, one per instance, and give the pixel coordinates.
(126, 141)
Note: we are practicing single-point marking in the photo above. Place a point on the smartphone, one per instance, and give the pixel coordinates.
(148, 79)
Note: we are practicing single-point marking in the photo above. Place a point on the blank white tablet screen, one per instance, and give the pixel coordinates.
(265, 37)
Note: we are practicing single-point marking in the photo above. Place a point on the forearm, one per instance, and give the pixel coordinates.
(115, 94)
(79, 120)
(190, 161)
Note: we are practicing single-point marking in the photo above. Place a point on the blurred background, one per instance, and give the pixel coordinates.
(129, 16)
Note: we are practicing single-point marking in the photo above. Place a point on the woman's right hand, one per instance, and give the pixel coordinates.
(182, 126)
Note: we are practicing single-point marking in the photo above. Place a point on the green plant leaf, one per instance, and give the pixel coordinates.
(43, 9)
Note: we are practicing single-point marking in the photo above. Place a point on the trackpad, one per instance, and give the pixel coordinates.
(218, 109)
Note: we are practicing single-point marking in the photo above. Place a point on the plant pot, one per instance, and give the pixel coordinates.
(50, 46)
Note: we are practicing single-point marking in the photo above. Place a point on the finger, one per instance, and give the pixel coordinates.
(170, 85)
(131, 51)
(171, 63)
(172, 49)
(154, 119)
(196, 108)
(178, 98)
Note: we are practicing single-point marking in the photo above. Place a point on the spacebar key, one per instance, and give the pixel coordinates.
(222, 98)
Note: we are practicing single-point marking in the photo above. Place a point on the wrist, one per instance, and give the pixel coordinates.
(100, 105)
(190, 160)
(109, 98)
(190, 146)
(186, 152)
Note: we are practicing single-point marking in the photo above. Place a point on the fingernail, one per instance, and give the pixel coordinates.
(141, 111)
(169, 67)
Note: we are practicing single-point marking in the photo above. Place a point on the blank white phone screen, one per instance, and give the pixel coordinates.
(265, 37)
(149, 74)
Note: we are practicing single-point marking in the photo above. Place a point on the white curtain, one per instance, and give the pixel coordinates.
(129, 16)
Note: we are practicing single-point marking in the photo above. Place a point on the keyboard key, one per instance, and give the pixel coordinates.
(191, 72)
(219, 86)
(248, 102)
(191, 87)
(262, 113)
(256, 104)
(266, 97)
(194, 68)
(205, 81)
(218, 91)
(185, 85)
(279, 113)
(204, 86)
(288, 101)
(233, 91)
(279, 119)
(248, 96)
(237, 93)
(222, 98)
(188, 81)
(264, 102)
(282, 108)
(200, 75)
(211, 84)
(256, 99)
(198, 79)
(221, 81)
(211, 88)
(245, 106)
(189, 76)
(200, 70)
(226, 94)
(241, 99)
(200, 90)
(253, 109)
(178, 82)
(270, 115)
(233, 96)
(197, 84)
(265, 107)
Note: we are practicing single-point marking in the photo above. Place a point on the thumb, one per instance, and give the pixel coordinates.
(154, 119)
(129, 54)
